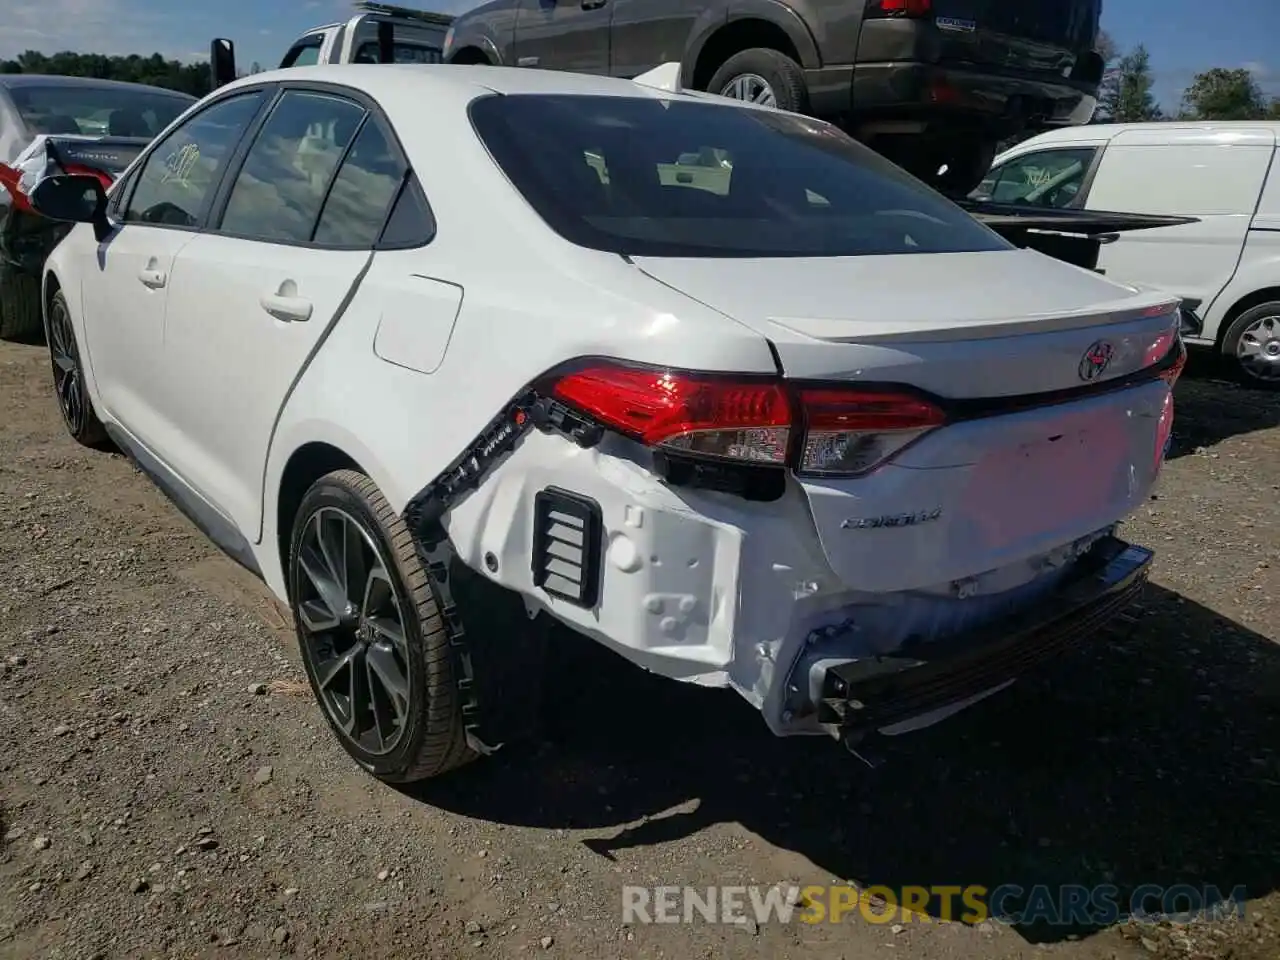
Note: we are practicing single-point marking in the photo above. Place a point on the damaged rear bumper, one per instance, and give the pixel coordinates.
(877, 694)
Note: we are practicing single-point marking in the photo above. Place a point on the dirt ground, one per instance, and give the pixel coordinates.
(168, 787)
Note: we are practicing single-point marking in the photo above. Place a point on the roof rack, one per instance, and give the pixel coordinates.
(407, 13)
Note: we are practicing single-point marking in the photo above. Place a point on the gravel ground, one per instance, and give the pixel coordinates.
(168, 787)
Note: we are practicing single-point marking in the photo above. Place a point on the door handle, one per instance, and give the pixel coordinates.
(288, 309)
(150, 277)
(593, 4)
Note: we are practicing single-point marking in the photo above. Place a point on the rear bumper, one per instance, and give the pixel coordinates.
(26, 240)
(874, 694)
(906, 90)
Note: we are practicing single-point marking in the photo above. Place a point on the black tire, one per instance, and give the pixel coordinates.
(1261, 325)
(430, 736)
(20, 306)
(784, 76)
(78, 415)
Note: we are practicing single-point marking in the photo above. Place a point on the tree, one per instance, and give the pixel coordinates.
(1126, 95)
(155, 70)
(1222, 94)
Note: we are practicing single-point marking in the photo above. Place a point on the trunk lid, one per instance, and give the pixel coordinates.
(1035, 35)
(109, 154)
(1036, 453)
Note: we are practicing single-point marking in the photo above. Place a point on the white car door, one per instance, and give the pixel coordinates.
(126, 296)
(252, 297)
(1214, 175)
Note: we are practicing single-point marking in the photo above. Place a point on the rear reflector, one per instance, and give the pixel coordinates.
(899, 8)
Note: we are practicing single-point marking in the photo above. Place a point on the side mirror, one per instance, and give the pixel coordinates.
(222, 62)
(73, 197)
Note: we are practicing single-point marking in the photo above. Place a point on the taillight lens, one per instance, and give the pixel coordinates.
(849, 432)
(844, 432)
(899, 8)
(696, 414)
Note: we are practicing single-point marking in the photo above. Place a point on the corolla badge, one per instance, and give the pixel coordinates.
(891, 520)
(1096, 360)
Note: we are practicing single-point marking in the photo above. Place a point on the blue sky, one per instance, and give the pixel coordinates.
(1183, 36)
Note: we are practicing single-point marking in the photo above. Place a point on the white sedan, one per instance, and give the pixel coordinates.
(448, 354)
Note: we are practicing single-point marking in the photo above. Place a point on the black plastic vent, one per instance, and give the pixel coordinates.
(567, 535)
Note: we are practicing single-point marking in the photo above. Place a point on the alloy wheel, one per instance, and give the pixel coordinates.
(65, 358)
(750, 87)
(1258, 350)
(353, 631)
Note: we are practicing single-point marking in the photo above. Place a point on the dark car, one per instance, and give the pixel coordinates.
(929, 83)
(96, 125)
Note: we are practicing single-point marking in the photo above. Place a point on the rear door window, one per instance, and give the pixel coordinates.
(362, 191)
(278, 192)
(681, 178)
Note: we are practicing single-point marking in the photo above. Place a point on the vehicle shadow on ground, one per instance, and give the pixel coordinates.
(1151, 759)
(1209, 408)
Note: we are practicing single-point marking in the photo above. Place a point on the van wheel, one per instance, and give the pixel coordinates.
(1252, 343)
(374, 645)
(762, 76)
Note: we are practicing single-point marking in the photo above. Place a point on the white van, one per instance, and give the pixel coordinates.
(1226, 265)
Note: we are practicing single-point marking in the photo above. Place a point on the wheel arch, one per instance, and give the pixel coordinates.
(1239, 306)
(760, 23)
(472, 53)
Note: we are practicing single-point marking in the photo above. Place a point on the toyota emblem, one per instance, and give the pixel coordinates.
(1096, 360)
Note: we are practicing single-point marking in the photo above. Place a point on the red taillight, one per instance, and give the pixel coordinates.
(10, 179)
(845, 432)
(899, 8)
(849, 432)
(698, 414)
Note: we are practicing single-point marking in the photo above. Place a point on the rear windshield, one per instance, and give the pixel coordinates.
(649, 177)
(98, 111)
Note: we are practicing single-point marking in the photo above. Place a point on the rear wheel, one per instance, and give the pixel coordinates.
(373, 643)
(20, 306)
(1252, 342)
(762, 76)
(68, 377)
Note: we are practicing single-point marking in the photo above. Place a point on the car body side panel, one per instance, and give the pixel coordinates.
(1259, 269)
(643, 33)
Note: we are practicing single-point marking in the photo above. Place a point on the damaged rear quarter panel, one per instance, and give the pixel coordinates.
(404, 427)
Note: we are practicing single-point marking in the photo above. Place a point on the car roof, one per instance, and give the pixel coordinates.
(404, 83)
(1105, 131)
(13, 80)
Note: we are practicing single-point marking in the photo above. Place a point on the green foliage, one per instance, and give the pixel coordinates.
(1126, 95)
(192, 78)
(1222, 94)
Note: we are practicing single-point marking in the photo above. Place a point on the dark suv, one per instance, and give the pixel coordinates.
(929, 83)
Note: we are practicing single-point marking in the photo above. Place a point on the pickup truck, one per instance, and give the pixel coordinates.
(377, 33)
